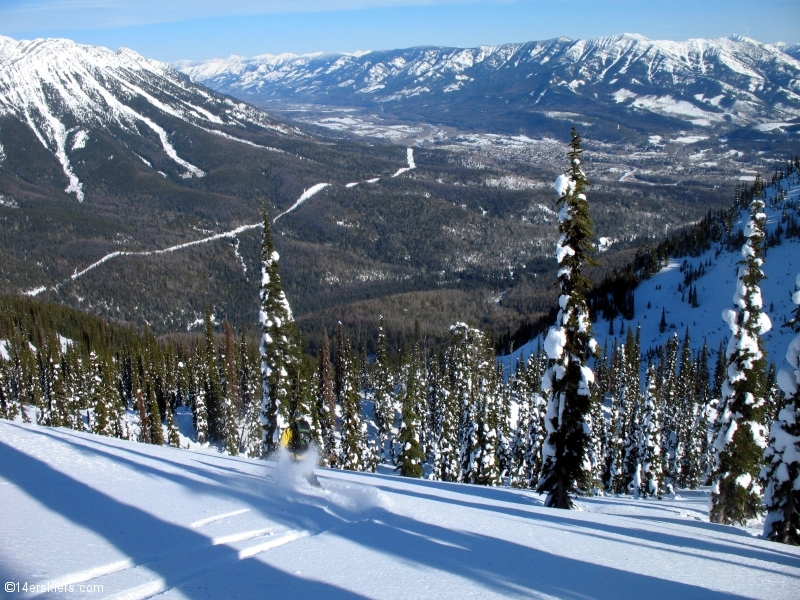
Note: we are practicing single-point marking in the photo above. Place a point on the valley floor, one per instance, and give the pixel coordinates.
(142, 521)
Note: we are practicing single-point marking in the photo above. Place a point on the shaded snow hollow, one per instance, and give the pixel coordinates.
(142, 521)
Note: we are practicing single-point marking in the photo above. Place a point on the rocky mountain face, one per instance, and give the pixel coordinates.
(623, 80)
(66, 93)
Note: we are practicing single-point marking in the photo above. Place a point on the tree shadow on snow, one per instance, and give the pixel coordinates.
(675, 543)
(146, 539)
(506, 567)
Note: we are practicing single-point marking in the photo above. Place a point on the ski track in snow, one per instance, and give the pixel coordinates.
(227, 515)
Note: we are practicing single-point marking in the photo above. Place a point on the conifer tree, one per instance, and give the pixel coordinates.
(250, 393)
(452, 400)
(703, 400)
(60, 393)
(688, 475)
(326, 406)
(486, 459)
(437, 405)
(154, 415)
(538, 408)
(735, 495)
(670, 412)
(650, 460)
(411, 456)
(101, 419)
(198, 390)
(353, 439)
(383, 393)
(213, 383)
(782, 471)
(720, 367)
(341, 366)
(231, 400)
(471, 366)
(173, 439)
(569, 344)
(278, 345)
(8, 407)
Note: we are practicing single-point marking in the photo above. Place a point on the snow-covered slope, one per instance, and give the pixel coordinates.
(715, 289)
(144, 521)
(66, 93)
(704, 81)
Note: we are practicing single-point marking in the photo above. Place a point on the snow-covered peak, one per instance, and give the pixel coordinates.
(733, 79)
(63, 90)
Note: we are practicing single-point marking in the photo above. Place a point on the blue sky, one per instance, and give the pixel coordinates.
(200, 29)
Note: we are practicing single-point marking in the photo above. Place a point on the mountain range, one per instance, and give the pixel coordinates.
(131, 190)
(623, 80)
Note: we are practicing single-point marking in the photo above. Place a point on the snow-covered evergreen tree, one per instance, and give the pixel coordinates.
(411, 457)
(650, 472)
(212, 383)
(670, 412)
(326, 406)
(198, 393)
(569, 344)
(782, 471)
(687, 460)
(278, 345)
(173, 439)
(353, 452)
(519, 472)
(250, 392)
(383, 394)
(736, 491)
(447, 465)
(231, 400)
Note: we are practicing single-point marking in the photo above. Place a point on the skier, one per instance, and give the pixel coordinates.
(297, 440)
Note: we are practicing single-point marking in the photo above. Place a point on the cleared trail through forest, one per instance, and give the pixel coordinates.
(306, 195)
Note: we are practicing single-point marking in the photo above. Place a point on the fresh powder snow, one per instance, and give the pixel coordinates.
(143, 521)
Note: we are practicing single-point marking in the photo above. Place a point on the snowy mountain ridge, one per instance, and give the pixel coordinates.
(63, 91)
(704, 81)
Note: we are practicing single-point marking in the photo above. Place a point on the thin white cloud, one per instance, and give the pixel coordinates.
(44, 15)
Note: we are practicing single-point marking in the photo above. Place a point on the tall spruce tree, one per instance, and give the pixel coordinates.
(569, 344)
(782, 471)
(383, 393)
(197, 391)
(278, 346)
(250, 393)
(212, 383)
(411, 456)
(326, 405)
(231, 400)
(650, 461)
(353, 452)
(740, 443)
